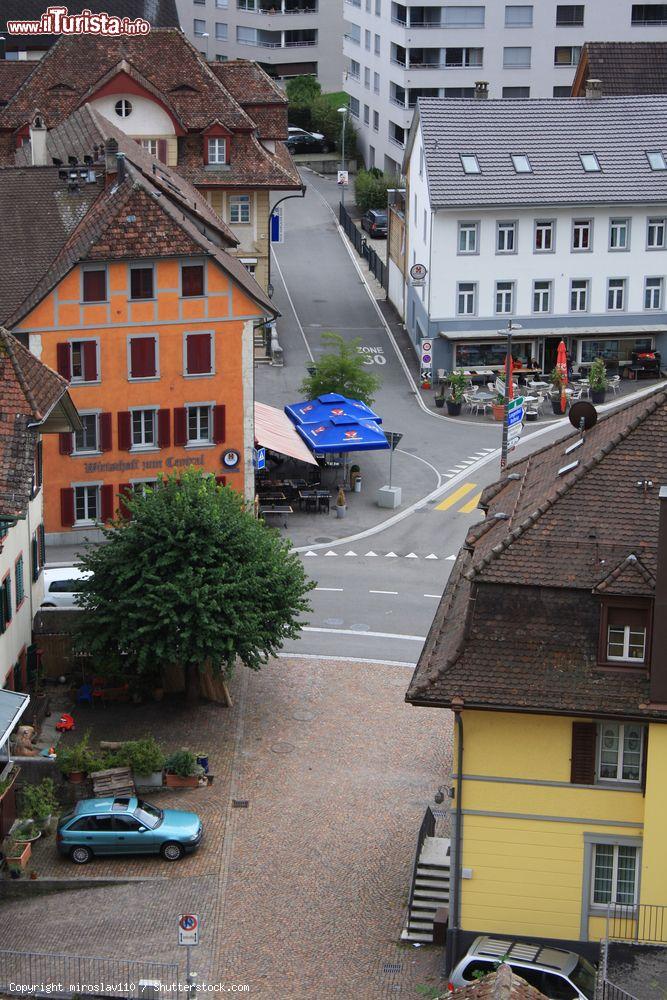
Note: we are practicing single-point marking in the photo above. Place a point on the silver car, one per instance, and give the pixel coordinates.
(560, 975)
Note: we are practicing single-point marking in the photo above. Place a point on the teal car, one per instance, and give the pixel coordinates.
(127, 826)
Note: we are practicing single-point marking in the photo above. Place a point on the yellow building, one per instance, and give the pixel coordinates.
(550, 646)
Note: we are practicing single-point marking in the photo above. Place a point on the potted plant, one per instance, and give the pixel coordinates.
(17, 854)
(78, 760)
(182, 770)
(39, 803)
(426, 383)
(499, 407)
(146, 759)
(440, 399)
(457, 386)
(557, 383)
(597, 381)
(25, 831)
(341, 504)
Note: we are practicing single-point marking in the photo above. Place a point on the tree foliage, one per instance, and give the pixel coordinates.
(303, 89)
(191, 579)
(341, 370)
(370, 189)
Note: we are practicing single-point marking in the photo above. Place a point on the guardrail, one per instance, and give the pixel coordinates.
(644, 923)
(376, 265)
(85, 975)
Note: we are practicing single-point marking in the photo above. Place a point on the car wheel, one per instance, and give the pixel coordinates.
(171, 851)
(80, 855)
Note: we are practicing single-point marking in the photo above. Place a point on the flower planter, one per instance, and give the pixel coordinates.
(440, 401)
(76, 777)
(453, 408)
(499, 411)
(176, 781)
(340, 511)
(598, 396)
(154, 780)
(556, 406)
(426, 385)
(21, 860)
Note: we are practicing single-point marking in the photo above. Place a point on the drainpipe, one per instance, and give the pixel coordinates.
(455, 916)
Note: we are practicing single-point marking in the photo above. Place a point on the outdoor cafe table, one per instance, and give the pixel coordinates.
(271, 497)
(315, 496)
(276, 510)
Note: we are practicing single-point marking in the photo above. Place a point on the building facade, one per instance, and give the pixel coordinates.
(548, 647)
(287, 38)
(515, 222)
(398, 52)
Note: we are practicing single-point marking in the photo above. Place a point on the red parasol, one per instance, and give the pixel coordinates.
(561, 366)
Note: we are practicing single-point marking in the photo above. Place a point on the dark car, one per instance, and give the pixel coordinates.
(375, 223)
(304, 143)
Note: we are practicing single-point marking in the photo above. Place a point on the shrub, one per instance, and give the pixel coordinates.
(143, 756)
(303, 89)
(38, 801)
(371, 190)
(183, 763)
(79, 757)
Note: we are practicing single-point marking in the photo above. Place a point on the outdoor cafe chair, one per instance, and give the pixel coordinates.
(614, 383)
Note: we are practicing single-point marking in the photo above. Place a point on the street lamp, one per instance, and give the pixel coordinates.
(205, 35)
(343, 112)
(511, 327)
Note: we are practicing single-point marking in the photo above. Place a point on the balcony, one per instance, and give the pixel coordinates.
(276, 8)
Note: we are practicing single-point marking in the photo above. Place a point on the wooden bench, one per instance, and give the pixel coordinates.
(113, 782)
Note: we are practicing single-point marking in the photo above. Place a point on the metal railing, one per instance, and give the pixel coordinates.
(83, 975)
(643, 924)
(427, 829)
(612, 992)
(376, 265)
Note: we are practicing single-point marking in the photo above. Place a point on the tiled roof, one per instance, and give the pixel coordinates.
(627, 67)
(546, 538)
(552, 133)
(28, 392)
(164, 60)
(251, 165)
(12, 74)
(248, 83)
(501, 985)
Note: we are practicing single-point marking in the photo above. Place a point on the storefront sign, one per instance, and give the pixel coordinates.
(143, 464)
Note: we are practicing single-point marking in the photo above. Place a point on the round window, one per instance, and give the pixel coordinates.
(123, 108)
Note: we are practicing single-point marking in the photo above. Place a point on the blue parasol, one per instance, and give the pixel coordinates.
(340, 434)
(328, 406)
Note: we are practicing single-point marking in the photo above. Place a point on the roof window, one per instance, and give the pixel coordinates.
(573, 447)
(567, 468)
(470, 163)
(656, 159)
(590, 162)
(521, 163)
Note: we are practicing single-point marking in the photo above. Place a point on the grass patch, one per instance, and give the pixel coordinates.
(338, 99)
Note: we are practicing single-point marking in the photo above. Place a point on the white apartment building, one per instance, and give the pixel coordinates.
(397, 52)
(286, 37)
(549, 213)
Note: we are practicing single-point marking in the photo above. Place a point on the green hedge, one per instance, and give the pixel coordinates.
(370, 189)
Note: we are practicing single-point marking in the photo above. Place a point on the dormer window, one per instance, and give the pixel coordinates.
(624, 633)
(217, 150)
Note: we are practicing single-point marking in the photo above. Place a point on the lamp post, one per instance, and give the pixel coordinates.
(511, 327)
(343, 112)
(205, 35)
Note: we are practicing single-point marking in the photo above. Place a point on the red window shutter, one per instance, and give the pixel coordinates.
(219, 424)
(142, 357)
(124, 490)
(221, 480)
(192, 280)
(95, 285)
(584, 741)
(105, 432)
(198, 353)
(65, 444)
(42, 544)
(162, 150)
(164, 428)
(67, 507)
(180, 425)
(124, 431)
(64, 360)
(106, 502)
(90, 360)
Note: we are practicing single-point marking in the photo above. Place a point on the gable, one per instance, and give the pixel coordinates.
(629, 578)
(149, 113)
(140, 228)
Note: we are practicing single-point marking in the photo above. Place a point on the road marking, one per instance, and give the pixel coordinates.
(394, 593)
(331, 553)
(344, 659)
(371, 553)
(289, 299)
(457, 495)
(450, 558)
(350, 553)
(391, 555)
(412, 555)
(431, 556)
(337, 590)
(471, 505)
(437, 596)
(310, 553)
(373, 635)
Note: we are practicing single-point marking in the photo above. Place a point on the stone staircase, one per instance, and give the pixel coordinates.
(430, 889)
(260, 353)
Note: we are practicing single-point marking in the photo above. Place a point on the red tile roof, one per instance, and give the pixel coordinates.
(625, 68)
(12, 75)
(549, 544)
(257, 94)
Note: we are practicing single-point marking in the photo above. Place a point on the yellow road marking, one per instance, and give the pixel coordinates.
(471, 505)
(457, 495)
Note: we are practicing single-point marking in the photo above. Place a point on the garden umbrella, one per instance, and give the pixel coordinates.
(561, 366)
(327, 406)
(343, 434)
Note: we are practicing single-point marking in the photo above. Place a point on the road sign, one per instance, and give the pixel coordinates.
(418, 273)
(343, 178)
(260, 459)
(188, 929)
(515, 416)
(516, 402)
(393, 438)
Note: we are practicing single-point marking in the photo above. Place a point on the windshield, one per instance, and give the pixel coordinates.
(147, 814)
(583, 977)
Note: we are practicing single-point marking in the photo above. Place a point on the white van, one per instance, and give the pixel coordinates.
(61, 585)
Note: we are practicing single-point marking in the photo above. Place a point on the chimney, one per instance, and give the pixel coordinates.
(38, 140)
(658, 681)
(111, 158)
(120, 160)
(481, 90)
(593, 90)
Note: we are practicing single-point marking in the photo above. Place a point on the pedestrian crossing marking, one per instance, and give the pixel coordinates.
(471, 505)
(457, 495)
(310, 553)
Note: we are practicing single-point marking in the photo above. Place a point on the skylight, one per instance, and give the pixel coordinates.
(590, 162)
(573, 447)
(567, 468)
(470, 163)
(521, 163)
(656, 159)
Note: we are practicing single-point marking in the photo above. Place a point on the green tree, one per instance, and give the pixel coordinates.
(370, 189)
(303, 89)
(191, 578)
(341, 370)
(326, 118)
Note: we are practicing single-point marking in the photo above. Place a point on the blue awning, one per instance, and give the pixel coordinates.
(328, 406)
(343, 434)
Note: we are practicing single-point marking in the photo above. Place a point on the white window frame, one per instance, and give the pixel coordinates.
(614, 287)
(548, 291)
(620, 736)
(504, 295)
(144, 445)
(75, 379)
(597, 905)
(468, 233)
(506, 226)
(88, 451)
(235, 204)
(150, 145)
(579, 227)
(213, 148)
(657, 223)
(86, 521)
(199, 442)
(618, 226)
(466, 288)
(585, 290)
(652, 289)
(545, 226)
(625, 656)
(519, 24)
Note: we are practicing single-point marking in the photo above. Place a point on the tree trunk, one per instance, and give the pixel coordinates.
(192, 687)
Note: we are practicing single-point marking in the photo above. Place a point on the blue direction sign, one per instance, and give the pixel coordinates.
(515, 416)
(260, 459)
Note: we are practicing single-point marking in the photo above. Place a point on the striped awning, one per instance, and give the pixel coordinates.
(275, 431)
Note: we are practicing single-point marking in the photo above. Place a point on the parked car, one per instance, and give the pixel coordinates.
(292, 130)
(375, 223)
(127, 826)
(562, 975)
(61, 585)
(308, 144)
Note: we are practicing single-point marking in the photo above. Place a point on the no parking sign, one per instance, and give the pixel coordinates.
(426, 359)
(188, 929)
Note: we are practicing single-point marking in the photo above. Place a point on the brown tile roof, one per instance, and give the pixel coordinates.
(501, 985)
(548, 544)
(251, 165)
(627, 67)
(28, 392)
(12, 75)
(257, 94)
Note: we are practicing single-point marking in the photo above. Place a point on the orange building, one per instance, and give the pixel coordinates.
(125, 286)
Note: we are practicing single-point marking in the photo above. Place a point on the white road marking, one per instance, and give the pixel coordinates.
(289, 299)
(344, 659)
(394, 593)
(309, 553)
(331, 553)
(432, 556)
(371, 553)
(450, 558)
(390, 555)
(337, 590)
(373, 635)
(350, 553)
(437, 596)
(412, 555)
